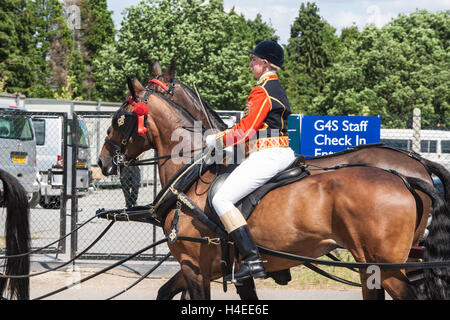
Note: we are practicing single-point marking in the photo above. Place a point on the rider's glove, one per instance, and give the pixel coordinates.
(211, 141)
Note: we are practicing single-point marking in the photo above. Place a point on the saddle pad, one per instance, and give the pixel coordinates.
(246, 205)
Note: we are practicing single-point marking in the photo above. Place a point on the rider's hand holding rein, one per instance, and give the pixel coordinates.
(263, 131)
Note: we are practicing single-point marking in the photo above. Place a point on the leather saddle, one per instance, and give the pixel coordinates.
(292, 173)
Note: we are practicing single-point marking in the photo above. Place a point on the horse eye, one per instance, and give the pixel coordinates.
(108, 131)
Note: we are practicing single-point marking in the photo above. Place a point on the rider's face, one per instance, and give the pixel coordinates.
(259, 66)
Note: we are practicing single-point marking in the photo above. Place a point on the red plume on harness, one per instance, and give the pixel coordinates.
(140, 110)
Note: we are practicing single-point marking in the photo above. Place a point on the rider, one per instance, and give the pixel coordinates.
(264, 132)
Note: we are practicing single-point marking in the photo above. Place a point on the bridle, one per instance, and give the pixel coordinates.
(126, 122)
(167, 89)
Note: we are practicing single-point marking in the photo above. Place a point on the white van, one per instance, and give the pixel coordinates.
(50, 143)
(18, 149)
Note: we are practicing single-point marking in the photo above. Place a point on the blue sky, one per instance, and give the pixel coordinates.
(339, 13)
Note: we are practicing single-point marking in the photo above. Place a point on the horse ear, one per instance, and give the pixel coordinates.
(157, 68)
(134, 86)
(137, 85)
(131, 87)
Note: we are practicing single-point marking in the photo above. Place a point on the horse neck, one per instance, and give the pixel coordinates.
(184, 97)
(164, 122)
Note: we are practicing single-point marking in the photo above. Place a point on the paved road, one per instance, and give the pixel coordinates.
(115, 280)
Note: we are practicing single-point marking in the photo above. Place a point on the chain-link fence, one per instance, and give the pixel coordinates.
(426, 135)
(36, 147)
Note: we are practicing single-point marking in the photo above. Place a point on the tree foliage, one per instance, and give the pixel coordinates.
(208, 45)
(97, 30)
(387, 72)
(18, 52)
(392, 70)
(55, 48)
(311, 50)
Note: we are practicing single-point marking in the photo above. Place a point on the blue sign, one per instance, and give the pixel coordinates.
(322, 135)
(293, 128)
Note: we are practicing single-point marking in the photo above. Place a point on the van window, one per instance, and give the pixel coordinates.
(15, 128)
(445, 146)
(428, 146)
(39, 130)
(83, 137)
(404, 144)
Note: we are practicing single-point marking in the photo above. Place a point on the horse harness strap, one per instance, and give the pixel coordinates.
(169, 90)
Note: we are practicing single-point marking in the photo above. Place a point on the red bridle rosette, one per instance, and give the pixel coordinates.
(140, 110)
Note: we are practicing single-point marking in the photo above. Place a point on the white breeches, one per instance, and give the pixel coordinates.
(253, 172)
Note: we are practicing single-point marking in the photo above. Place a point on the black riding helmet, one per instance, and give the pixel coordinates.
(269, 50)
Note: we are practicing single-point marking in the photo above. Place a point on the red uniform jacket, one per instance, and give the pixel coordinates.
(267, 109)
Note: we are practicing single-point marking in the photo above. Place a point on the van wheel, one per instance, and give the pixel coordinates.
(53, 203)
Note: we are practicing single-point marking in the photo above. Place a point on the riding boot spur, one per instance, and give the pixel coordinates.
(252, 265)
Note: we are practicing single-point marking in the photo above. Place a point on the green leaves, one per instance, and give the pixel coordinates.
(391, 71)
(311, 50)
(208, 45)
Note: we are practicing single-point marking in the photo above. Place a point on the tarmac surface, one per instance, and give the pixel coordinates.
(116, 280)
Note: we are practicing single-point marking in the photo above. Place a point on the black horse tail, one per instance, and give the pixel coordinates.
(442, 173)
(436, 284)
(17, 234)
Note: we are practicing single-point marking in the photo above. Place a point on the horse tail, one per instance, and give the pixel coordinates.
(436, 284)
(17, 237)
(442, 173)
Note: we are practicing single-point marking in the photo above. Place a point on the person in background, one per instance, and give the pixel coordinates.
(130, 180)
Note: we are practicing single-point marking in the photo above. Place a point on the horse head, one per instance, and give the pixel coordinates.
(123, 142)
(170, 130)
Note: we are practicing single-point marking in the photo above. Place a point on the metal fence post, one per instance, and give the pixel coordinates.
(63, 196)
(416, 126)
(97, 145)
(74, 198)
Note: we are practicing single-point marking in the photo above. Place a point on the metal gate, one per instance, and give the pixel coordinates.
(110, 193)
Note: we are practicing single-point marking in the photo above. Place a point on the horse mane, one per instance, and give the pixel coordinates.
(185, 115)
(213, 115)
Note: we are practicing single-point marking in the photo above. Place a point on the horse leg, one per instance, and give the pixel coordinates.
(175, 285)
(396, 284)
(370, 290)
(247, 290)
(198, 285)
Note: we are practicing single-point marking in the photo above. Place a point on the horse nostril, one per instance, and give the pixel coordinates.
(99, 162)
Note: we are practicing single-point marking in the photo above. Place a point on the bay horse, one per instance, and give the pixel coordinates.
(14, 198)
(366, 210)
(407, 163)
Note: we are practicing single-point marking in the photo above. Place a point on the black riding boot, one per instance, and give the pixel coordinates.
(252, 265)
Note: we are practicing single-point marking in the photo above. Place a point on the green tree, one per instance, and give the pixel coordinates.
(18, 53)
(348, 35)
(208, 45)
(311, 50)
(55, 45)
(259, 30)
(391, 71)
(97, 30)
